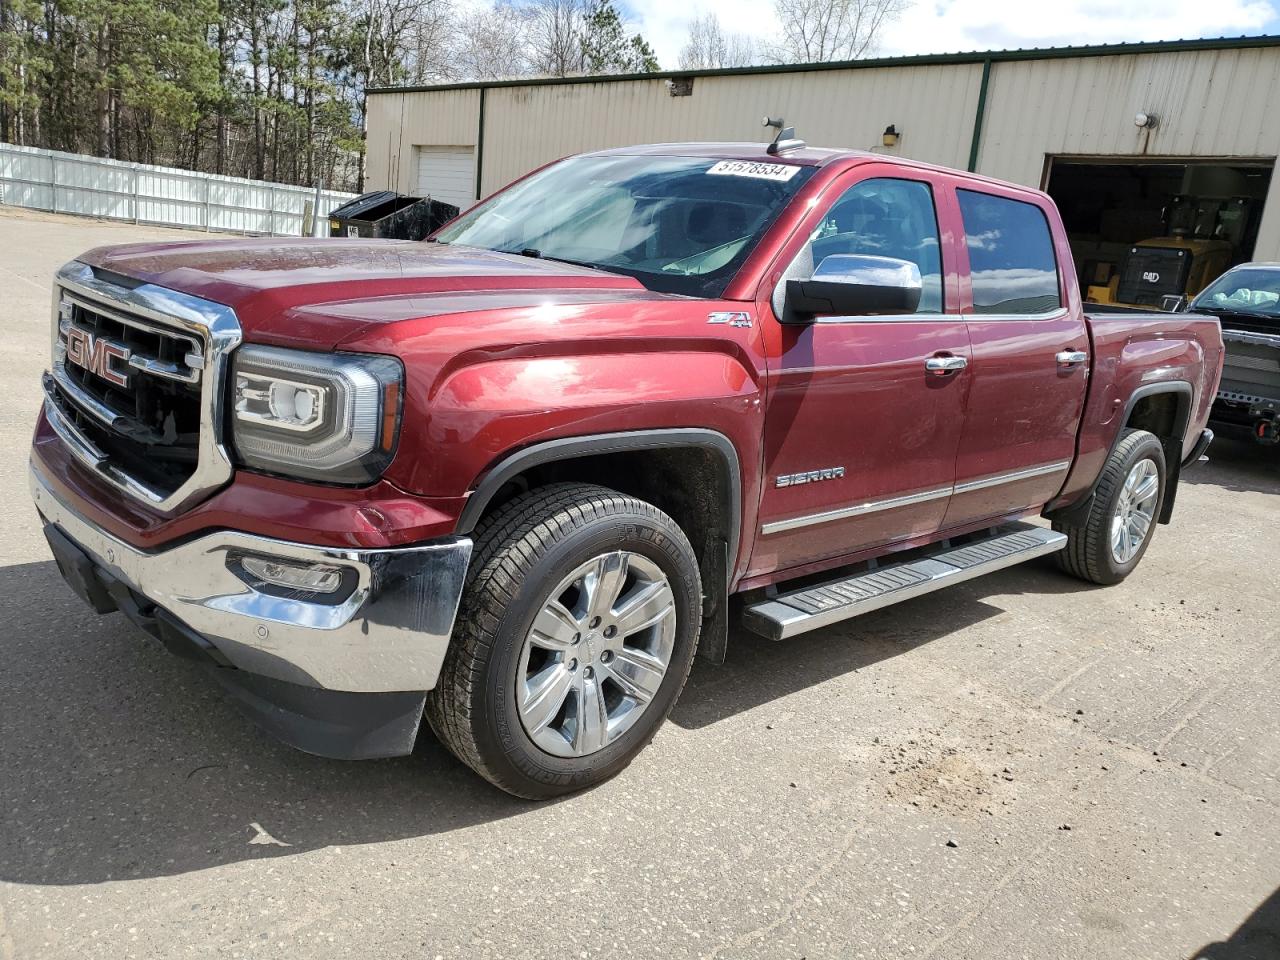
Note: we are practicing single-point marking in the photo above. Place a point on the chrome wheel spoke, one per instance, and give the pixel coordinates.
(1141, 523)
(638, 674)
(592, 731)
(555, 627)
(1146, 490)
(546, 694)
(647, 604)
(1118, 538)
(604, 583)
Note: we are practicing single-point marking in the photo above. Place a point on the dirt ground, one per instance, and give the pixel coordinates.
(1017, 767)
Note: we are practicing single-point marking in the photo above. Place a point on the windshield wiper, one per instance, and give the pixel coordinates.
(536, 254)
(1241, 312)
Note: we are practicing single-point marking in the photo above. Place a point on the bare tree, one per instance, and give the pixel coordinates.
(709, 47)
(429, 42)
(491, 44)
(814, 31)
(555, 37)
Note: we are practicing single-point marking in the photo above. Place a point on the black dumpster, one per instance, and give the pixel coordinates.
(390, 215)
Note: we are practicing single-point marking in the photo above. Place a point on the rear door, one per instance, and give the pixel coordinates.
(1030, 356)
(860, 437)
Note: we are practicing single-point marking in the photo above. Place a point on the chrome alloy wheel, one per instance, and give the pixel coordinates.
(1135, 510)
(596, 654)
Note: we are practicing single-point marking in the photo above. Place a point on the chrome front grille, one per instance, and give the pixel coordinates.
(136, 384)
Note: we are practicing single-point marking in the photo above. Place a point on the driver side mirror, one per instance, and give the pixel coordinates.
(854, 285)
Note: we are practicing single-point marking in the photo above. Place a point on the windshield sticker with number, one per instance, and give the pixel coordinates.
(751, 168)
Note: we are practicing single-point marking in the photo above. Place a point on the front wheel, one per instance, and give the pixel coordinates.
(1107, 544)
(575, 635)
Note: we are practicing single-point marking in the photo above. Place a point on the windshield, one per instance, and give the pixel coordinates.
(1244, 290)
(677, 224)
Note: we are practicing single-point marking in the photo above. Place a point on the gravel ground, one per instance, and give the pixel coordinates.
(1022, 766)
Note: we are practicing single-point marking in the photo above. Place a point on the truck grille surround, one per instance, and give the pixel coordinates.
(136, 385)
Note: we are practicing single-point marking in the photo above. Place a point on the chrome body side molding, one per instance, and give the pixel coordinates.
(921, 496)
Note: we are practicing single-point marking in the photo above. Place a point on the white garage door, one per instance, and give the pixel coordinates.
(448, 174)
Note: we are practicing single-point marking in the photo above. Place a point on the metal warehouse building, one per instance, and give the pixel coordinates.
(1134, 141)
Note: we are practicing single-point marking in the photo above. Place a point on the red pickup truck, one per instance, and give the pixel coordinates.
(512, 477)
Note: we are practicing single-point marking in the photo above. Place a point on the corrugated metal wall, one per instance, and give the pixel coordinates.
(933, 106)
(1211, 103)
(398, 123)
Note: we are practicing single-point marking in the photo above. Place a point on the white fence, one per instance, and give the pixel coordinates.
(93, 187)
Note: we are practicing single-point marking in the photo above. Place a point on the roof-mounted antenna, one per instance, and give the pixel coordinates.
(785, 138)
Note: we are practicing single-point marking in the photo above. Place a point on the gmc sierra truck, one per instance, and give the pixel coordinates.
(512, 477)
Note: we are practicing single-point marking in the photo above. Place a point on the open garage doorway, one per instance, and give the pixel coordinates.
(1151, 232)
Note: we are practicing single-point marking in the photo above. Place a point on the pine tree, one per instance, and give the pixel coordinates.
(606, 47)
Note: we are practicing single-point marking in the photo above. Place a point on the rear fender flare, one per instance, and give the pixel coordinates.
(1181, 418)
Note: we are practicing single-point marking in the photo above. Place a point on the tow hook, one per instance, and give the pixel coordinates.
(1264, 431)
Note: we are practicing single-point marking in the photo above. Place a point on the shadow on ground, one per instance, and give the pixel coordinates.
(1238, 465)
(119, 761)
(1258, 938)
(758, 671)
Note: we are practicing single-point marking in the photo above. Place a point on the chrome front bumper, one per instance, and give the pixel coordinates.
(386, 630)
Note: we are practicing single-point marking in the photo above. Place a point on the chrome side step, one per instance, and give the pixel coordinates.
(789, 614)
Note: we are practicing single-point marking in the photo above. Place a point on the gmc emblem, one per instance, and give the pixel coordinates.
(95, 355)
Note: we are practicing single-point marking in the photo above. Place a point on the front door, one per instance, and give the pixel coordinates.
(1030, 360)
(860, 435)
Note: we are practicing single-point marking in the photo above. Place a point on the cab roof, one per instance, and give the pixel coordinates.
(758, 152)
(802, 157)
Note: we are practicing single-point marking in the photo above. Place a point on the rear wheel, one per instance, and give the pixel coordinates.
(1108, 543)
(575, 635)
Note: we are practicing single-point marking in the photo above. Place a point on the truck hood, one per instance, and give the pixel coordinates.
(317, 293)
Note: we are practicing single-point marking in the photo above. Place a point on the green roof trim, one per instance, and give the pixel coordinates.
(926, 59)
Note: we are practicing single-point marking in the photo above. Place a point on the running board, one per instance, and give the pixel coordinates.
(789, 614)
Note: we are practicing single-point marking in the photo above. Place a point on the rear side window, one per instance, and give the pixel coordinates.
(1011, 258)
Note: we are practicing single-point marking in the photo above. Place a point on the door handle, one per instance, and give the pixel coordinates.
(943, 366)
(1072, 357)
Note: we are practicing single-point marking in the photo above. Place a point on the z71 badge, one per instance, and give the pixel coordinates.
(809, 476)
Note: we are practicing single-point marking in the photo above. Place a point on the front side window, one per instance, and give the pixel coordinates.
(882, 217)
(677, 224)
(1011, 259)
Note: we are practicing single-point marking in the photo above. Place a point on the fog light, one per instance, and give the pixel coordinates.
(314, 578)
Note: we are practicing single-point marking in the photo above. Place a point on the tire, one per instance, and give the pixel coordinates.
(495, 667)
(1092, 553)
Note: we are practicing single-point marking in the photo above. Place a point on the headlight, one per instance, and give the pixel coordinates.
(329, 417)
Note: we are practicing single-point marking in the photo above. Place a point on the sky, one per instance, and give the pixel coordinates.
(945, 26)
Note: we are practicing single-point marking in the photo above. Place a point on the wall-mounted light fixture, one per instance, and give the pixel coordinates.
(890, 136)
(1146, 121)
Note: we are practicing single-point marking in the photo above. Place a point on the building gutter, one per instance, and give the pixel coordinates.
(976, 143)
(994, 56)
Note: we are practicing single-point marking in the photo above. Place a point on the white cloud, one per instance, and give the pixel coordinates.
(941, 26)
